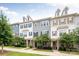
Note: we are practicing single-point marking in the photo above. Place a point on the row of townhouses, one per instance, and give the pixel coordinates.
(53, 26)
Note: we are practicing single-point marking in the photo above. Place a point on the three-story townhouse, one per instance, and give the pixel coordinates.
(26, 30)
(41, 26)
(62, 24)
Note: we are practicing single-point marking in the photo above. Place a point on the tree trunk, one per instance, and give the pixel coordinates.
(2, 48)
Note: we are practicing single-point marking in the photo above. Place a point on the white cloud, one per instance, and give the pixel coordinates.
(3, 8)
(12, 15)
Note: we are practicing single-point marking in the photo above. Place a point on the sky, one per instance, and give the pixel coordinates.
(15, 11)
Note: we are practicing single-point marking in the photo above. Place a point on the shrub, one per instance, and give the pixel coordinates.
(19, 42)
(30, 46)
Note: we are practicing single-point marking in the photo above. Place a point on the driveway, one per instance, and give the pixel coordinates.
(54, 53)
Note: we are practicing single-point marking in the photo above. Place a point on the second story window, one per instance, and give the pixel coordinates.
(30, 33)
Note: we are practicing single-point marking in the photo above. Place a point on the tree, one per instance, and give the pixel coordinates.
(42, 41)
(67, 41)
(5, 30)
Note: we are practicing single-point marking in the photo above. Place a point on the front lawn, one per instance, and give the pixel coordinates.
(10, 53)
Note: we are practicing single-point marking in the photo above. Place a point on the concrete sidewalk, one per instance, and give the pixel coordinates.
(54, 53)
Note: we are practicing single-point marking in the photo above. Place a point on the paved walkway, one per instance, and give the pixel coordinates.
(54, 53)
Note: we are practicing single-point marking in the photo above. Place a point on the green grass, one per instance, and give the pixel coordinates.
(19, 54)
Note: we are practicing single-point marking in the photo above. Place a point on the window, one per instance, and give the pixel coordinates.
(30, 25)
(35, 34)
(55, 22)
(21, 34)
(30, 33)
(25, 25)
(62, 21)
(44, 23)
(41, 33)
(54, 33)
(21, 26)
(70, 20)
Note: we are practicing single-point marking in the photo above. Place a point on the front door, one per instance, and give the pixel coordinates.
(54, 45)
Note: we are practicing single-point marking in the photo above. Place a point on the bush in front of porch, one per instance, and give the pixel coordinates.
(43, 42)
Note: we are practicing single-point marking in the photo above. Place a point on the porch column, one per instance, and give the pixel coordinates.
(26, 43)
(52, 44)
(57, 44)
(33, 44)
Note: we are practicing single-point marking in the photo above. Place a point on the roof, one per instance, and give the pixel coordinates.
(32, 21)
(74, 14)
(43, 19)
(21, 22)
